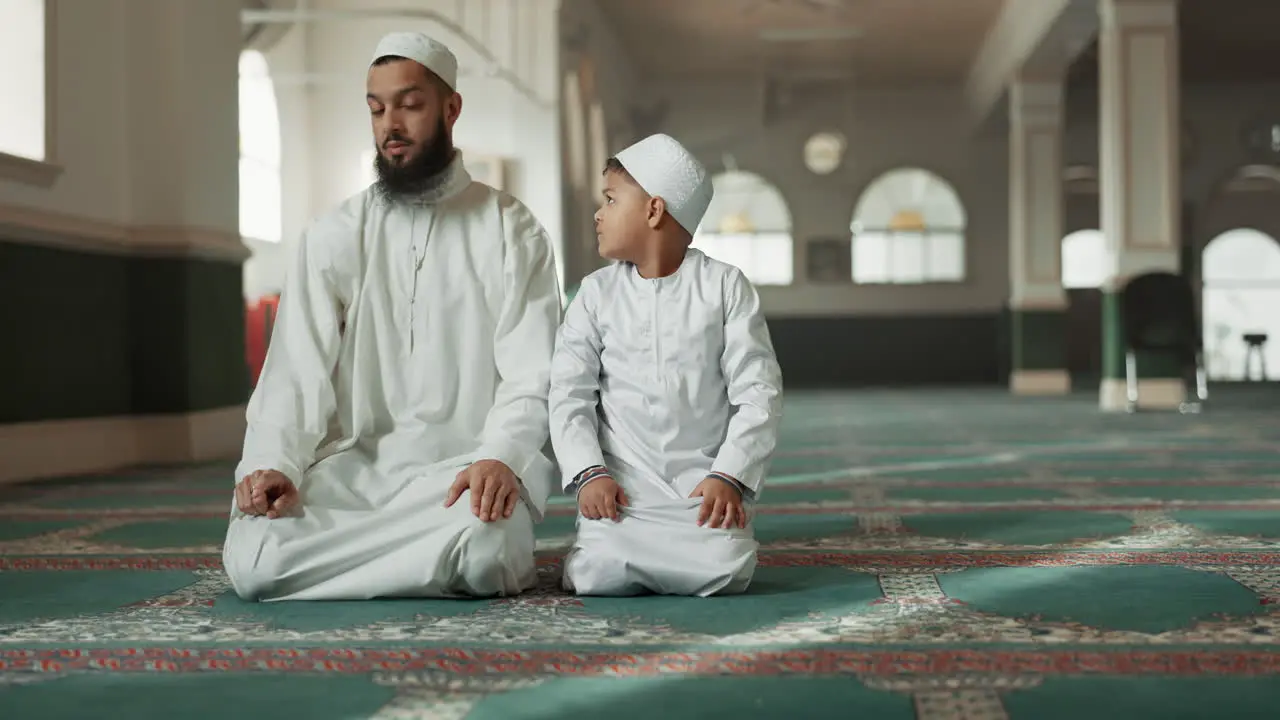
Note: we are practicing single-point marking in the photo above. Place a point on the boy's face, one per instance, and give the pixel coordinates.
(622, 222)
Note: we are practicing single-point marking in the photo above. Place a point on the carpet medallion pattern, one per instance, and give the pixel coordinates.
(937, 555)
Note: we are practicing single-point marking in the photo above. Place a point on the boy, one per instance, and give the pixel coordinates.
(665, 393)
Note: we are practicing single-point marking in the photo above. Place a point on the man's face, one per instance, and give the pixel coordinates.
(413, 113)
(405, 106)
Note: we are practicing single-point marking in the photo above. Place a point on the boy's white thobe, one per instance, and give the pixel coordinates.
(411, 341)
(663, 381)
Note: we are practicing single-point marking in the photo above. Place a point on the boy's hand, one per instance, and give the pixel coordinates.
(601, 498)
(721, 503)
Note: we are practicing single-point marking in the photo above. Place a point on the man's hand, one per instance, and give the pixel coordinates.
(721, 503)
(494, 489)
(266, 492)
(601, 498)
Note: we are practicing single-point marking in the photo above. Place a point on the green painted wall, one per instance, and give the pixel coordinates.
(92, 335)
(1039, 339)
(851, 351)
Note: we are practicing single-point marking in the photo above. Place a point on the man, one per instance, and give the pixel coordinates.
(395, 438)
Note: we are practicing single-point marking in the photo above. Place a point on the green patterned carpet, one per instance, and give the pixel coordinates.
(933, 555)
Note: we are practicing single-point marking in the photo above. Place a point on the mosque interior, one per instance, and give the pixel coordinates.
(1018, 261)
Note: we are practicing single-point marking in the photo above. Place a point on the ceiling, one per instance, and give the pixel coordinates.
(261, 36)
(1219, 41)
(894, 40)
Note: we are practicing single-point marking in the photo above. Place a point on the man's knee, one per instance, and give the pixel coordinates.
(250, 562)
(497, 557)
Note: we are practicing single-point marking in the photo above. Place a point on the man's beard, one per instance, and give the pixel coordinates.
(421, 173)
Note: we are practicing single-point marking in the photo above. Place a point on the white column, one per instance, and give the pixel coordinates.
(1038, 302)
(1140, 171)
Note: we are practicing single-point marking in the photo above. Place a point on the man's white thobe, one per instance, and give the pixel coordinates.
(663, 381)
(411, 341)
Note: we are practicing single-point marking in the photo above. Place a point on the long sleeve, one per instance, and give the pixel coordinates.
(515, 429)
(755, 387)
(575, 388)
(288, 414)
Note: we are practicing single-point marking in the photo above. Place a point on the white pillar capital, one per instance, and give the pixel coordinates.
(1036, 103)
(1035, 193)
(1140, 133)
(1138, 13)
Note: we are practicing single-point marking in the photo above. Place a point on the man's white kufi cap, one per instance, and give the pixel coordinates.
(431, 54)
(664, 168)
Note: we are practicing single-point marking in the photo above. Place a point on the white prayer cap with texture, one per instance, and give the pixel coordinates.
(431, 54)
(665, 169)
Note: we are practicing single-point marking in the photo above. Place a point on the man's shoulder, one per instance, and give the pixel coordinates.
(341, 222)
(517, 218)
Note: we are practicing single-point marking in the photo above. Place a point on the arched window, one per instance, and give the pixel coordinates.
(908, 227)
(1084, 260)
(260, 195)
(1241, 274)
(22, 79)
(748, 225)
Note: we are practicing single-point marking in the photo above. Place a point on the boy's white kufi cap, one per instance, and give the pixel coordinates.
(664, 168)
(431, 54)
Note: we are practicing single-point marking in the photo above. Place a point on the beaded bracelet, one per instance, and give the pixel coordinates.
(726, 478)
(591, 473)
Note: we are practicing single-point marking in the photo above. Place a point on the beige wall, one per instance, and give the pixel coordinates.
(144, 124)
(924, 127)
(927, 127)
(92, 154)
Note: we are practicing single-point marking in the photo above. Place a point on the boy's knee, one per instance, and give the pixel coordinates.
(587, 573)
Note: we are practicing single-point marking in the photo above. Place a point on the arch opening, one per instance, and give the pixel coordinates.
(1240, 272)
(1084, 260)
(748, 225)
(260, 192)
(908, 228)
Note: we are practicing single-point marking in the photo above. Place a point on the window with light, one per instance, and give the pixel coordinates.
(1240, 270)
(748, 226)
(22, 81)
(1085, 260)
(260, 192)
(908, 227)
